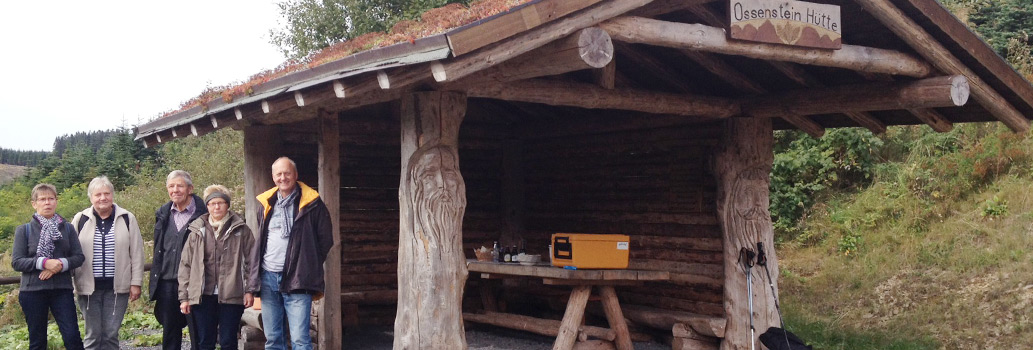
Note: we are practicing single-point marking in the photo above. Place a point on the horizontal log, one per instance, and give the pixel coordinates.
(705, 308)
(534, 38)
(585, 49)
(949, 91)
(678, 343)
(370, 297)
(533, 324)
(682, 330)
(712, 39)
(678, 243)
(715, 271)
(667, 319)
(566, 93)
(252, 318)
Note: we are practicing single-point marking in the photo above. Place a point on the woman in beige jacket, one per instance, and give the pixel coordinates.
(211, 271)
(112, 274)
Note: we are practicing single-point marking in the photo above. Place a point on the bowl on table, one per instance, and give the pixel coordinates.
(529, 259)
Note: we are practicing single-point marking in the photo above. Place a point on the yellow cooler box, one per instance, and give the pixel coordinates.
(590, 251)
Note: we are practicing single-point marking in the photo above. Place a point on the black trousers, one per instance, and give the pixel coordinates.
(166, 311)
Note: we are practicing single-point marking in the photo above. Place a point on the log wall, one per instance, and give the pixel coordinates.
(369, 168)
(651, 183)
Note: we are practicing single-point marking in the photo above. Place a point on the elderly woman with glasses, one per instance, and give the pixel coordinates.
(46, 250)
(112, 273)
(211, 278)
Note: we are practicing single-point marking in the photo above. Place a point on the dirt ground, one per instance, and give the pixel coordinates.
(479, 338)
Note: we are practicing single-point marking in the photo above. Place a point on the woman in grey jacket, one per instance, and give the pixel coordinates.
(112, 273)
(46, 250)
(211, 271)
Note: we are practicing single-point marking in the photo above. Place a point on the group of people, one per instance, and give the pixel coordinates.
(207, 264)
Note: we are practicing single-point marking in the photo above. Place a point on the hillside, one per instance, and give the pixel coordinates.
(9, 172)
(935, 251)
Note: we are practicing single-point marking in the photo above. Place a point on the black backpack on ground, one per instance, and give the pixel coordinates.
(776, 339)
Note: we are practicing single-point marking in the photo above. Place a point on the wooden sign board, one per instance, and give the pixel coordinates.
(795, 23)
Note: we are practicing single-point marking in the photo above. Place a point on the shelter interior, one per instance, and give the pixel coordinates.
(532, 171)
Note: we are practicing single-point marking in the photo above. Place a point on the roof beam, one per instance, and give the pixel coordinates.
(529, 40)
(931, 49)
(589, 48)
(711, 39)
(590, 96)
(947, 91)
(797, 74)
(740, 81)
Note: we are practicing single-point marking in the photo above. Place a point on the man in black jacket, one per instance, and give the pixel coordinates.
(295, 236)
(170, 233)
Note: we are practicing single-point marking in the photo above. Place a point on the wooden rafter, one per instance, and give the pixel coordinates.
(931, 49)
(658, 71)
(740, 81)
(711, 39)
(803, 78)
(531, 39)
(662, 7)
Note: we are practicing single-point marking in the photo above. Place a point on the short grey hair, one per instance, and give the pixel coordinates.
(97, 183)
(180, 174)
(293, 164)
(40, 188)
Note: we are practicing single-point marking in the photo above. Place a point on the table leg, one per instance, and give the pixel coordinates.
(488, 295)
(572, 318)
(616, 318)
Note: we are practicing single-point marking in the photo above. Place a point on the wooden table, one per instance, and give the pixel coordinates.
(582, 282)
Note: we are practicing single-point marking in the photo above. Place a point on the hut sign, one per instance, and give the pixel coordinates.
(795, 23)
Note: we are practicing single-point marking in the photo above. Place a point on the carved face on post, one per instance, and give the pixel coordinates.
(750, 205)
(438, 195)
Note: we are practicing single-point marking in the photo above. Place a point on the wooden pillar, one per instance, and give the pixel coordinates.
(432, 201)
(261, 148)
(329, 326)
(742, 166)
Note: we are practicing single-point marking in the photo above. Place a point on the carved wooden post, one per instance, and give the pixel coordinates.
(330, 192)
(742, 166)
(432, 200)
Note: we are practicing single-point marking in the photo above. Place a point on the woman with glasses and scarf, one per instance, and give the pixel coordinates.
(46, 250)
(211, 271)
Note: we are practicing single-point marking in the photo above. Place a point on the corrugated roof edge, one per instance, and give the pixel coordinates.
(385, 57)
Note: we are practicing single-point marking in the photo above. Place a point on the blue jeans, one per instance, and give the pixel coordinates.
(277, 306)
(59, 302)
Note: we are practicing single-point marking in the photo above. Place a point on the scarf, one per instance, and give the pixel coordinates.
(286, 206)
(217, 225)
(47, 235)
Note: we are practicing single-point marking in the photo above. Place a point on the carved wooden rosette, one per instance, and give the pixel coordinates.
(742, 167)
(432, 200)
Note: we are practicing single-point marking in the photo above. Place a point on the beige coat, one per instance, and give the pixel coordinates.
(234, 248)
(128, 252)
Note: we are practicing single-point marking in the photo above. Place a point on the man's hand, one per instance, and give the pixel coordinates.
(249, 300)
(53, 265)
(134, 293)
(184, 307)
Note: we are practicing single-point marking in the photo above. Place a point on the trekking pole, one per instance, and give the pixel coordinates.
(747, 257)
(762, 260)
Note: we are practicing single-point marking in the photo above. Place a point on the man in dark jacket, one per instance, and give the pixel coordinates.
(170, 233)
(295, 236)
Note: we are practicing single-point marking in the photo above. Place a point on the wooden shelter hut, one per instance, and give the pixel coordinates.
(638, 117)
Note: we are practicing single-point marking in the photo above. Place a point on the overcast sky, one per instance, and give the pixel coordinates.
(68, 66)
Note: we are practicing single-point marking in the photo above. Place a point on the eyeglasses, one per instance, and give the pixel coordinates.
(46, 199)
(214, 203)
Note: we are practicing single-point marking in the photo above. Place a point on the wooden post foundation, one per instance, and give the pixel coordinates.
(432, 201)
